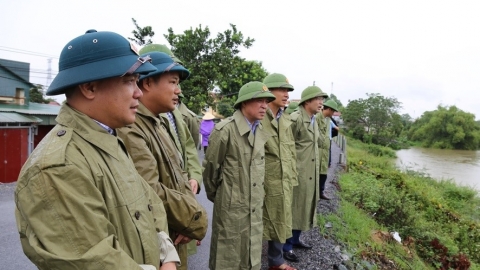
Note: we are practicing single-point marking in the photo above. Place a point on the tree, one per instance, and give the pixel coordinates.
(225, 106)
(37, 95)
(243, 71)
(374, 119)
(334, 98)
(446, 128)
(140, 34)
(210, 61)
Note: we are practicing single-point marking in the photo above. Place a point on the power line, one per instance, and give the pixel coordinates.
(13, 79)
(8, 49)
(41, 71)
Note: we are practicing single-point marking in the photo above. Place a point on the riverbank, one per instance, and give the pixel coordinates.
(437, 221)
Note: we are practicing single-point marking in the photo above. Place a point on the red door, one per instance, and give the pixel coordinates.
(13, 152)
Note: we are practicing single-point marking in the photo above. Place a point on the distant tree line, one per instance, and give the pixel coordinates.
(375, 119)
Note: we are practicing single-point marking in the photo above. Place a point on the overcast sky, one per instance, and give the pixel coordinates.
(424, 53)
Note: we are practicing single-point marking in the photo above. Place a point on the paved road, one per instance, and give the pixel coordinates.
(11, 254)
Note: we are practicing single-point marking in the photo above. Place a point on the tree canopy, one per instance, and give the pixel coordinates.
(334, 98)
(211, 61)
(142, 35)
(214, 63)
(37, 95)
(374, 119)
(243, 71)
(446, 128)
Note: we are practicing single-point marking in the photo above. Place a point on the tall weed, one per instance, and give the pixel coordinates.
(440, 217)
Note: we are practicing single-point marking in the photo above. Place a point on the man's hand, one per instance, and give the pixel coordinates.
(169, 266)
(181, 239)
(194, 185)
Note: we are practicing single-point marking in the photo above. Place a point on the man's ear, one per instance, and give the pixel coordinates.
(88, 89)
(146, 85)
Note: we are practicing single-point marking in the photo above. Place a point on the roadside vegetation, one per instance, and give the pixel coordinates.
(438, 222)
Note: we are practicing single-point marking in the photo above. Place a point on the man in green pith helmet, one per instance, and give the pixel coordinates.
(157, 156)
(305, 195)
(185, 133)
(323, 120)
(80, 202)
(280, 172)
(191, 119)
(234, 169)
(292, 107)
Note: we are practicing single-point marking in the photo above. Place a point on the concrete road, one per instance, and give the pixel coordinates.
(11, 254)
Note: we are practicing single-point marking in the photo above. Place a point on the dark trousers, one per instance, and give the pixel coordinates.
(323, 180)
(275, 253)
(330, 154)
(295, 239)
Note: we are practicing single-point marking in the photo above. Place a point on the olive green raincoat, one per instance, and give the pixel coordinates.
(280, 177)
(82, 205)
(192, 121)
(323, 141)
(305, 195)
(186, 146)
(159, 162)
(234, 169)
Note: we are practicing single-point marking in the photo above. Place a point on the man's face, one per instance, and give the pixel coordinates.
(255, 109)
(314, 105)
(165, 91)
(117, 100)
(281, 97)
(328, 112)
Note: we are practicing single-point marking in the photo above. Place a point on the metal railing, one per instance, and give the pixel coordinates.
(341, 141)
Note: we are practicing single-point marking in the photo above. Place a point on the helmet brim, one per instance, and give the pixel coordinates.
(251, 96)
(109, 68)
(169, 67)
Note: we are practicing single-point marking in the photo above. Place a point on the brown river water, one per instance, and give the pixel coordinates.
(460, 165)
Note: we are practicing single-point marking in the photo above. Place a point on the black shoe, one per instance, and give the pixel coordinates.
(290, 256)
(323, 197)
(302, 245)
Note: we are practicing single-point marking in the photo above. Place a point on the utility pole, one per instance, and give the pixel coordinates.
(313, 83)
(49, 73)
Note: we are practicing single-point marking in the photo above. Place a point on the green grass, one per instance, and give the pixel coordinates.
(440, 219)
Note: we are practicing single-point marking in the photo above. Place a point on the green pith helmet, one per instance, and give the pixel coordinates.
(292, 106)
(277, 80)
(253, 90)
(95, 56)
(331, 104)
(312, 92)
(159, 48)
(164, 63)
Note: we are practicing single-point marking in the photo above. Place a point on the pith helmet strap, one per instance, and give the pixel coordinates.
(140, 61)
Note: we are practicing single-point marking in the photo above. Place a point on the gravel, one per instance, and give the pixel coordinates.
(326, 253)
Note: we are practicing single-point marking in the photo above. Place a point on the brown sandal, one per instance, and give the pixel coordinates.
(285, 267)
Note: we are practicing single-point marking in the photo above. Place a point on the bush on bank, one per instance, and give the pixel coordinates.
(438, 221)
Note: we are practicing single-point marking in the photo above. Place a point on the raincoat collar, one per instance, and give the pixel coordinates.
(89, 130)
(241, 123)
